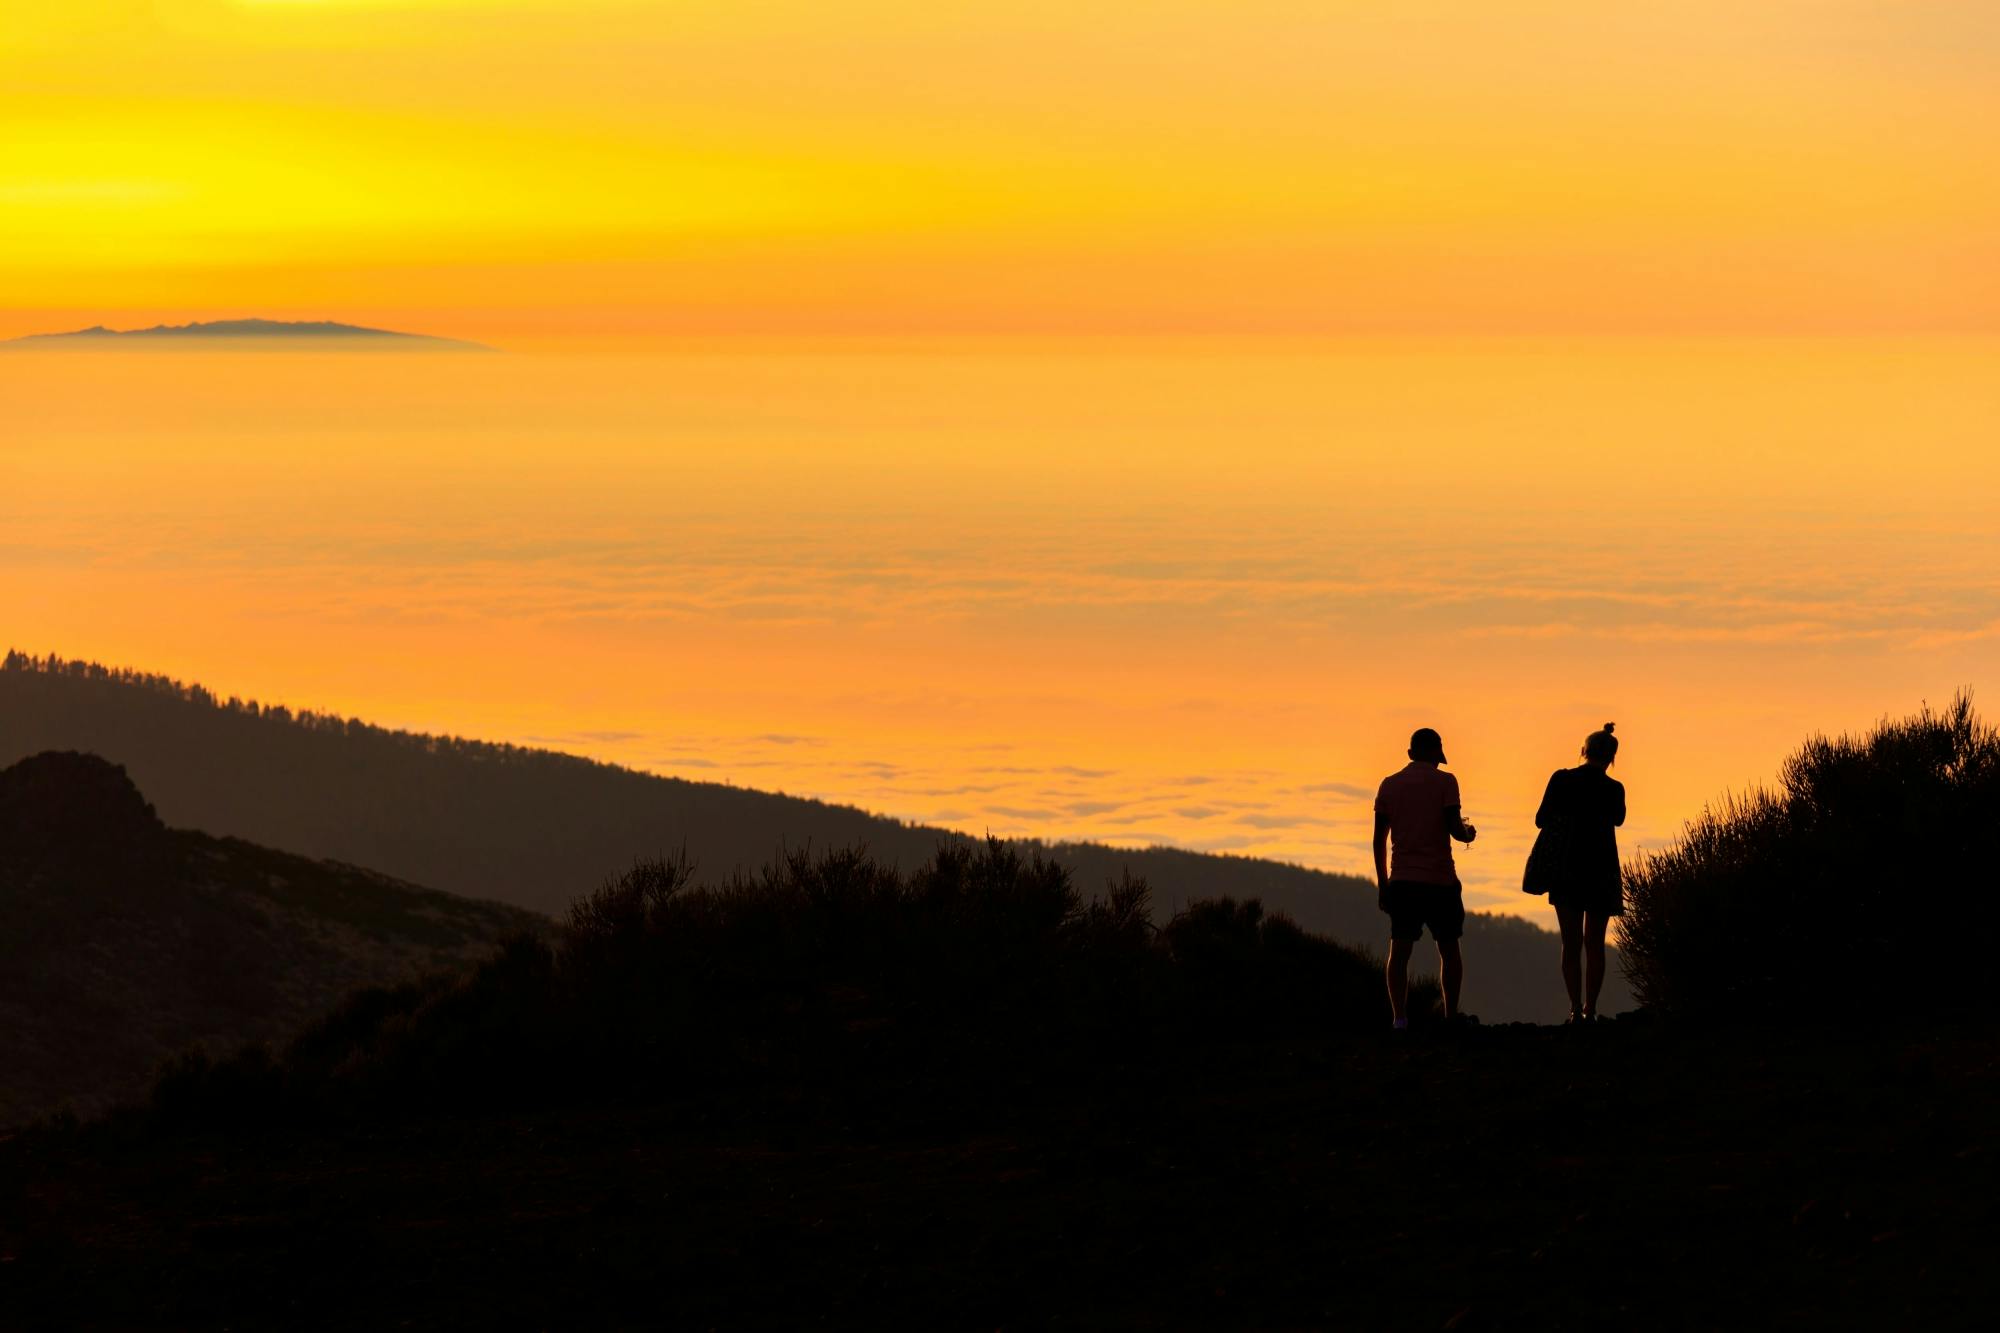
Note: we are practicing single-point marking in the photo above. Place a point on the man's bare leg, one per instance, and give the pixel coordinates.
(1398, 973)
(1451, 972)
(1594, 927)
(1570, 921)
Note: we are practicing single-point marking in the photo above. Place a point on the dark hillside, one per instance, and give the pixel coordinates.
(123, 941)
(1633, 1177)
(841, 1094)
(537, 828)
(823, 969)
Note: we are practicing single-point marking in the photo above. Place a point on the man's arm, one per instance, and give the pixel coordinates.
(1381, 848)
(1454, 823)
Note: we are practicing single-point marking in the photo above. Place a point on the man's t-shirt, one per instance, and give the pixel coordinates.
(1414, 802)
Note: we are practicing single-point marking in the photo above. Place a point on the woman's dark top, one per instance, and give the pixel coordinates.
(1583, 808)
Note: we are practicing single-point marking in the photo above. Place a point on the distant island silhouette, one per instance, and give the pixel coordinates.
(318, 330)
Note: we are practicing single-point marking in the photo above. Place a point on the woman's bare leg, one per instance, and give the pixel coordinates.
(1570, 921)
(1594, 927)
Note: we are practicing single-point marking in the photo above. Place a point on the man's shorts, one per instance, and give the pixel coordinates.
(1412, 906)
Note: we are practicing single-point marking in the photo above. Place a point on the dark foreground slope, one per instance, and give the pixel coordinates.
(537, 829)
(1633, 1177)
(845, 1095)
(123, 941)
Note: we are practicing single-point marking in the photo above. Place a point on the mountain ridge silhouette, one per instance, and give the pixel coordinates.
(742, 1111)
(124, 941)
(540, 829)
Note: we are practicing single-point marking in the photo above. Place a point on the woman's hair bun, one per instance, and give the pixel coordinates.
(1609, 727)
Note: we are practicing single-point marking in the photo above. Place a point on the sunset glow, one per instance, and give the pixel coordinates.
(1187, 594)
(1117, 421)
(529, 168)
(1161, 664)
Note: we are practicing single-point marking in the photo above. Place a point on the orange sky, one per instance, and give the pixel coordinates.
(1137, 591)
(1376, 463)
(525, 168)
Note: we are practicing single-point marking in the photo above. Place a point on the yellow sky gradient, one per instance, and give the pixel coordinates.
(521, 168)
(1375, 464)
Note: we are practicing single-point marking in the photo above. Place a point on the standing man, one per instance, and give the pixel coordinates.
(1419, 809)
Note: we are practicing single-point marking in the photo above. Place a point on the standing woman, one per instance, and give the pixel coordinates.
(1575, 862)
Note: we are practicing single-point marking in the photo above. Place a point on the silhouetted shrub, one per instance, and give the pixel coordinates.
(1833, 893)
(1235, 967)
(828, 967)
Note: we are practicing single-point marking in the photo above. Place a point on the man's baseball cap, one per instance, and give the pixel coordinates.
(1428, 745)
